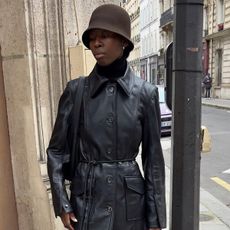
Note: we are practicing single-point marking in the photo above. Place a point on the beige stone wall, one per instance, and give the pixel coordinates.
(212, 14)
(30, 193)
(7, 196)
(219, 40)
(226, 62)
(222, 91)
(227, 14)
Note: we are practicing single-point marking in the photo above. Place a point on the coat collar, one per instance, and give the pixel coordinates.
(97, 82)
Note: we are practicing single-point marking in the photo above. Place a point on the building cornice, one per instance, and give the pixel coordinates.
(150, 23)
(135, 15)
(149, 56)
(218, 34)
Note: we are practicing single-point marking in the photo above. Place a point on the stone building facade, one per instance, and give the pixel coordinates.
(150, 43)
(216, 56)
(36, 38)
(133, 8)
(166, 32)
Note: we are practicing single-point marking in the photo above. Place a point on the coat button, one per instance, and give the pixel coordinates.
(109, 151)
(109, 209)
(109, 179)
(110, 119)
(111, 89)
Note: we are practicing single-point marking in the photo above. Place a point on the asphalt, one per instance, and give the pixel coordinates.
(214, 215)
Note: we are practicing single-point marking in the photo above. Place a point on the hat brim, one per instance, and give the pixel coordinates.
(85, 36)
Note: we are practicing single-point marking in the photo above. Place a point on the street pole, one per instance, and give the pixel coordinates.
(187, 73)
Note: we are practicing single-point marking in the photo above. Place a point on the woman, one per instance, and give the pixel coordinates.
(119, 111)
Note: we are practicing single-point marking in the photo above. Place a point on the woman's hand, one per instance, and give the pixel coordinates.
(66, 219)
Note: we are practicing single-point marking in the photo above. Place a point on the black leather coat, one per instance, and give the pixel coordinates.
(108, 191)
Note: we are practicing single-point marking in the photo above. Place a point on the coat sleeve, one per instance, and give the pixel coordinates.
(153, 161)
(56, 153)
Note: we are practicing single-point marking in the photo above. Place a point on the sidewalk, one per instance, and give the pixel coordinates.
(217, 103)
(214, 215)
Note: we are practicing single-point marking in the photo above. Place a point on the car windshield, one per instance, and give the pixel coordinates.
(161, 95)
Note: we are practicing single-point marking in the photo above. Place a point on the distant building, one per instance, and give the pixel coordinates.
(150, 44)
(166, 32)
(133, 8)
(216, 58)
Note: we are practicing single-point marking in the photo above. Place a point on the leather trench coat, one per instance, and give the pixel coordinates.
(108, 191)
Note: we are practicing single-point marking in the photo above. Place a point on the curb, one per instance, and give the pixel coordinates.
(218, 209)
(216, 106)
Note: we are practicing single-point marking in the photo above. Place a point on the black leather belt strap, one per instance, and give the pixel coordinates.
(95, 162)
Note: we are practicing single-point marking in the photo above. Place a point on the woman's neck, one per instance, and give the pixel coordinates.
(115, 70)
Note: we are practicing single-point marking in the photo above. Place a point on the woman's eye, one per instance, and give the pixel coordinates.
(106, 34)
(91, 38)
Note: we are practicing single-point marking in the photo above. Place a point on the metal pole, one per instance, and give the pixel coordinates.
(187, 73)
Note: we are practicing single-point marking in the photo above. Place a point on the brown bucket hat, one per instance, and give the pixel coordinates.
(113, 18)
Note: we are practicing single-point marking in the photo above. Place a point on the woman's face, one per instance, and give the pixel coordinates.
(106, 46)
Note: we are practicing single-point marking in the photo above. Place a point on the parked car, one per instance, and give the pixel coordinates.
(166, 113)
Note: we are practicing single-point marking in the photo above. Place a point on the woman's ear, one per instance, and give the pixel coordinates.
(124, 44)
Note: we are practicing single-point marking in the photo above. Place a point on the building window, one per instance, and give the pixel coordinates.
(143, 72)
(219, 58)
(205, 21)
(162, 6)
(152, 74)
(220, 13)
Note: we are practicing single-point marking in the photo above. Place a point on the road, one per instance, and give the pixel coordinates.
(215, 166)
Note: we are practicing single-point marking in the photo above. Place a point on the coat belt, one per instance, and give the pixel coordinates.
(88, 186)
(95, 162)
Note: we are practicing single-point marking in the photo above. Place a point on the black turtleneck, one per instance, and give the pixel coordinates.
(115, 70)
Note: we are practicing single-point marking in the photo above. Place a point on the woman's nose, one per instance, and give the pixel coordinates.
(97, 41)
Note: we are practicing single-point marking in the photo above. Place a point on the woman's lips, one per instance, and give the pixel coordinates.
(98, 56)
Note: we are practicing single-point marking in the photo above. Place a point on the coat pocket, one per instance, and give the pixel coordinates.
(77, 186)
(134, 194)
(77, 197)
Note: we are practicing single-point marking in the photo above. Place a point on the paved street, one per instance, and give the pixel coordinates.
(215, 166)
